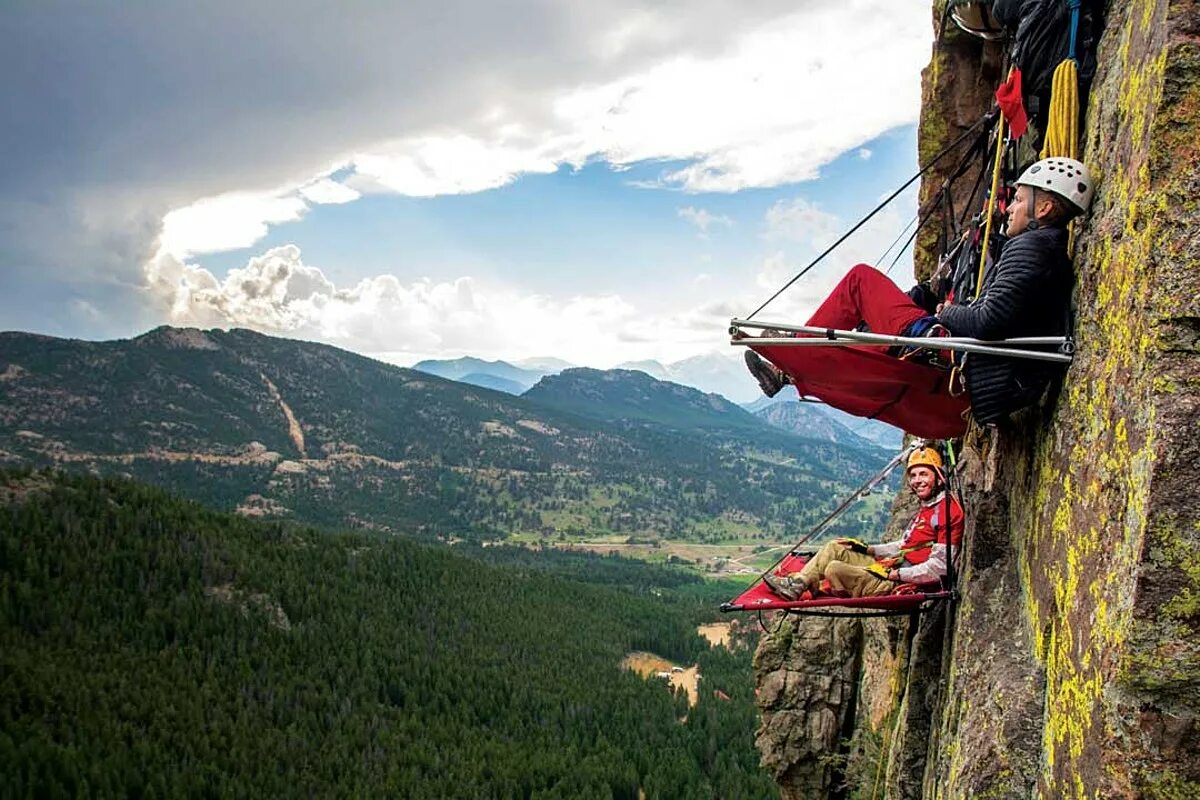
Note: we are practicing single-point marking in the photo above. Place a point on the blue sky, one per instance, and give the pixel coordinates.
(591, 229)
(598, 183)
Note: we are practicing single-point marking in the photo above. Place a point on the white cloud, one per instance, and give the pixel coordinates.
(458, 164)
(779, 103)
(236, 220)
(226, 222)
(328, 192)
(770, 108)
(703, 219)
(278, 293)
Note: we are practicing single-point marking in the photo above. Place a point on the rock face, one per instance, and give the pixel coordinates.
(1071, 666)
(807, 676)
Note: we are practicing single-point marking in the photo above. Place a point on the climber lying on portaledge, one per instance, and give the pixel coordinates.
(1027, 292)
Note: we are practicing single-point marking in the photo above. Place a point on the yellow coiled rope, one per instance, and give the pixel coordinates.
(1062, 126)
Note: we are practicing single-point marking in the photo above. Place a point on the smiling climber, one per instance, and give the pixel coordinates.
(849, 568)
(1027, 292)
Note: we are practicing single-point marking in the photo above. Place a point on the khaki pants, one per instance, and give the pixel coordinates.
(846, 571)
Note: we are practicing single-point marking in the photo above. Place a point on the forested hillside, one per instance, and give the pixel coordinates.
(149, 647)
(632, 395)
(281, 428)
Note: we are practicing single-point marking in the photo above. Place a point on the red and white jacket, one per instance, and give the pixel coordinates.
(927, 534)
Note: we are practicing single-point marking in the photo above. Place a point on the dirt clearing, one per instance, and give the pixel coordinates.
(649, 665)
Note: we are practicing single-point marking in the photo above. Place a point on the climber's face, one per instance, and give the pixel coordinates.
(1018, 211)
(923, 482)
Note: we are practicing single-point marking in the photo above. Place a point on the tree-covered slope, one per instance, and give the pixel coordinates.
(276, 427)
(149, 647)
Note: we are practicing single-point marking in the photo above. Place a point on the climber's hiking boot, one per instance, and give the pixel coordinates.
(769, 378)
(785, 586)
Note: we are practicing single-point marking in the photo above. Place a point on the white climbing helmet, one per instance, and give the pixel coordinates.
(1065, 177)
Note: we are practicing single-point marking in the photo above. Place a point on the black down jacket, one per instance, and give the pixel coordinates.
(1026, 293)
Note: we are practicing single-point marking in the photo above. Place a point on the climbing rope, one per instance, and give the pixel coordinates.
(914, 221)
(912, 236)
(862, 491)
(1062, 128)
(991, 204)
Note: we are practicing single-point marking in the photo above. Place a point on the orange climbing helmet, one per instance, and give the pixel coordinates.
(925, 456)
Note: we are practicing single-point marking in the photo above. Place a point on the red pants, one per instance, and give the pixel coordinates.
(867, 295)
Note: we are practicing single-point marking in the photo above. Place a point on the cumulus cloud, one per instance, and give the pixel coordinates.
(704, 219)
(278, 293)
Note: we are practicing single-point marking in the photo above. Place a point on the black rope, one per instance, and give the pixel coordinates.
(962, 219)
(907, 244)
(947, 149)
(767, 630)
(916, 218)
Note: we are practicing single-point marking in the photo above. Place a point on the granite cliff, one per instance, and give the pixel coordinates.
(1070, 668)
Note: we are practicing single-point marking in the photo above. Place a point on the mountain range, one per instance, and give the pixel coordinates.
(499, 375)
(812, 421)
(281, 428)
(712, 373)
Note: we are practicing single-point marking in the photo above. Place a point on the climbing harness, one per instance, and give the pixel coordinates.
(907, 600)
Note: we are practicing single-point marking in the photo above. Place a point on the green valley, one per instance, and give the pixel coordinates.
(281, 429)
